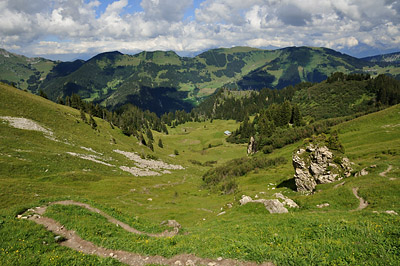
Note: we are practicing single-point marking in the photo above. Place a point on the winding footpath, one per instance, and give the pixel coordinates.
(74, 241)
(386, 171)
(363, 203)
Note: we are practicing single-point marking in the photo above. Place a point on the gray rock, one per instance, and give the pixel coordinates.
(275, 206)
(290, 203)
(362, 172)
(251, 147)
(245, 200)
(171, 223)
(323, 205)
(315, 165)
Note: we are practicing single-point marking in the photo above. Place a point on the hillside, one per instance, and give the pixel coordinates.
(24, 72)
(66, 160)
(385, 58)
(163, 81)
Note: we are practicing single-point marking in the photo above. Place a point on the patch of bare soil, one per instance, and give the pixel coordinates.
(77, 243)
(363, 203)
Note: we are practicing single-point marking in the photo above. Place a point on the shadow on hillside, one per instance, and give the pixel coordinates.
(288, 184)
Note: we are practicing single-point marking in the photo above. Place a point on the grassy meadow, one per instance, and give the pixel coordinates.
(35, 170)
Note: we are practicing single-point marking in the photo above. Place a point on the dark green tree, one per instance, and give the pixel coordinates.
(160, 143)
(149, 134)
(42, 94)
(296, 117)
(92, 122)
(83, 116)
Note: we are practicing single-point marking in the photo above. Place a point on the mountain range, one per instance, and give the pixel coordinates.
(162, 81)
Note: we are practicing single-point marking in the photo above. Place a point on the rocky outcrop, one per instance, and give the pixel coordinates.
(251, 147)
(272, 205)
(317, 165)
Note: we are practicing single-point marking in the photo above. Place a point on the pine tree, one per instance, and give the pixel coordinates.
(296, 117)
(92, 122)
(43, 94)
(83, 116)
(160, 144)
(149, 134)
(150, 145)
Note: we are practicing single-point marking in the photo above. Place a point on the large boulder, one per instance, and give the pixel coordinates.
(316, 164)
(272, 205)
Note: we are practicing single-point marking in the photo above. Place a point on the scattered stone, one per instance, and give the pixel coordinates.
(245, 200)
(286, 201)
(372, 166)
(139, 171)
(230, 205)
(221, 213)
(323, 205)
(290, 203)
(178, 262)
(56, 238)
(272, 205)
(212, 264)
(111, 254)
(275, 206)
(315, 165)
(363, 172)
(19, 216)
(90, 157)
(391, 212)
(171, 223)
(26, 124)
(190, 263)
(256, 196)
(219, 258)
(150, 199)
(146, 163)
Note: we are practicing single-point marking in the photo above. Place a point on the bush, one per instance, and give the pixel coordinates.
(223, 177)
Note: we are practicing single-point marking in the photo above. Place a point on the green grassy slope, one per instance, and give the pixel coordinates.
(24, 72)
(35, 169)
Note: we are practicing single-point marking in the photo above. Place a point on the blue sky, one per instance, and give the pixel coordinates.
(70, 29)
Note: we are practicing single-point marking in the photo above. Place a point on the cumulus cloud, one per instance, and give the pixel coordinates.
(43, 27)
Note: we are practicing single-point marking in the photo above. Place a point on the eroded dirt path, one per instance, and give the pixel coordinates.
(41, 210)
(363, 203)
(75, 242)
(386, 171)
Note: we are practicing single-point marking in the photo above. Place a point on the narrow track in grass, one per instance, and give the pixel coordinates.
(74, 241)
(386, 171)
(41, 210)
(363, 203)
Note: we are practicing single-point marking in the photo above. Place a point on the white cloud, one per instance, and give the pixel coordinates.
(340, 24)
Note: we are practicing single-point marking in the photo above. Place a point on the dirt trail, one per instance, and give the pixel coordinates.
(386, 171)
(77, 243)
(41, 210)
(363, 203)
